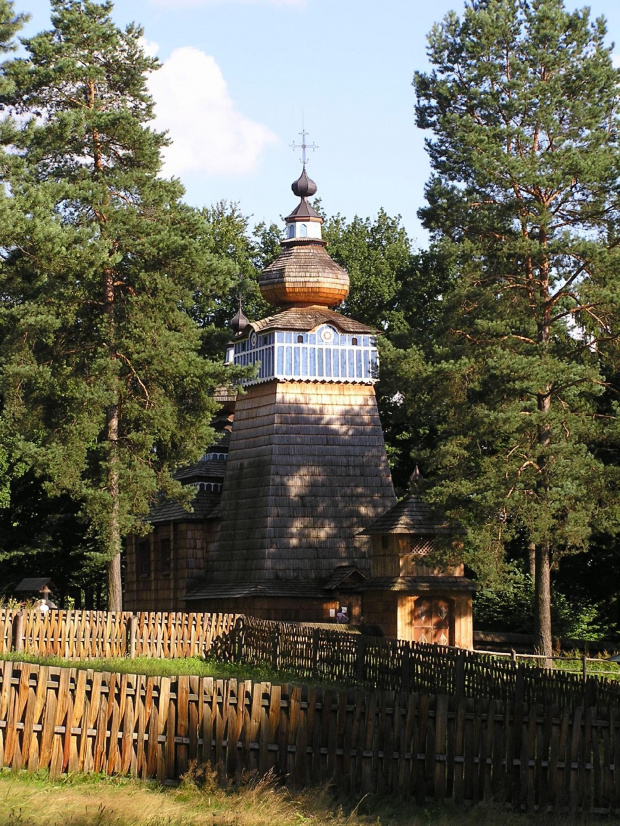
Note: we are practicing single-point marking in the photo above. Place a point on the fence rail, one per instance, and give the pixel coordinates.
(79, 635)
(427, 746)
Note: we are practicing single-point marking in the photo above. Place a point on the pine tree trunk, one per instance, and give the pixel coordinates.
(115, 590)
(531, 556)
(542, 603)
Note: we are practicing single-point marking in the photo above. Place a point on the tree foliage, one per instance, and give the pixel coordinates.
(522, 101)
(101, 268)
(376, 253)
(249, 250)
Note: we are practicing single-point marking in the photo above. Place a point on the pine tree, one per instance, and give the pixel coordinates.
(102, 266)
(523, 103)
(10, 24)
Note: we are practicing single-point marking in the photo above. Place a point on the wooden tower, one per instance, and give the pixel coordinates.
(407, 594)
(307, 468)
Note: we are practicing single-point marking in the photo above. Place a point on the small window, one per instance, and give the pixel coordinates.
(144, 558)
(420, 547)
(164, 556)
(300, 339)
(291, 231)
(303, 231)
(354, 342)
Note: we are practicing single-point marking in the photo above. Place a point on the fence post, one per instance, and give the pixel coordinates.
(361, 658)
(405, 676)
(315, 652)
(584, 664)
(17, 631)
(590, 692)
(133, 633)
(275, 651)
(237, 641)
(459, 675)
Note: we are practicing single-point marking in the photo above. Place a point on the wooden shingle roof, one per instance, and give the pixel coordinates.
(214, 469)
(205, 505)
(412, 516)
(417, 584)
(344, 575)
(35, 583)
(309, 260)
(308, 318)
(304, 273)
(205, 589)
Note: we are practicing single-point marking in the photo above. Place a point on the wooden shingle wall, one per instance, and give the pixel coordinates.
(161, 587)
(307, 470)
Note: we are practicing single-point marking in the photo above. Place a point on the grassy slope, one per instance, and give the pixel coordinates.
(34, 800)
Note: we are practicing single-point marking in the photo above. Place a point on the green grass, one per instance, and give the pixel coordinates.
(219, 670)
(153, 667)
(574, 663)
(32, 799)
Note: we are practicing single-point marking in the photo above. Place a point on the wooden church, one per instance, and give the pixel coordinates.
(295, 516)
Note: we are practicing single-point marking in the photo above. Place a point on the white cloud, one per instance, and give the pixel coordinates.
(209, 133)
(149, 47)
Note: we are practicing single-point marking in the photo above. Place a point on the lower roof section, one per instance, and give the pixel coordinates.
(205, 505)
(206, 589)
(418, 584)
(240, 590)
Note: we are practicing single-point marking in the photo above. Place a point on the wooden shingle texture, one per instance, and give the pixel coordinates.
(304, 274)
(306, 472)
(308, 318)
(412, 515)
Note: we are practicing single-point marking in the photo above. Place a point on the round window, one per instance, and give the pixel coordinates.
(327, 335)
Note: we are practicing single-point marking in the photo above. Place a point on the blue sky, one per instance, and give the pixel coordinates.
(238, 74)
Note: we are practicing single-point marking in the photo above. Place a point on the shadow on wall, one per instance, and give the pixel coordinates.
(307, 470)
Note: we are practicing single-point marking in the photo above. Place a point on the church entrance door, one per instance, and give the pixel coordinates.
(433, 621)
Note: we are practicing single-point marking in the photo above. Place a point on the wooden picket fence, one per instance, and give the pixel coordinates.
(80, 635)
(416, 745)
(400, 665)
(307, 651)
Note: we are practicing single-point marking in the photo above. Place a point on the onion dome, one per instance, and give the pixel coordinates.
(416, 478)
(303, 187)
(239, 321)
(304, 274)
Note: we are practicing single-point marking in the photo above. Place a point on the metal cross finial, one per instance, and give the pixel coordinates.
(303, 146)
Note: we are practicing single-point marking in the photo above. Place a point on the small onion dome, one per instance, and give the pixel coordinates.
(303, 187)
(416, 478)
(239, 321)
